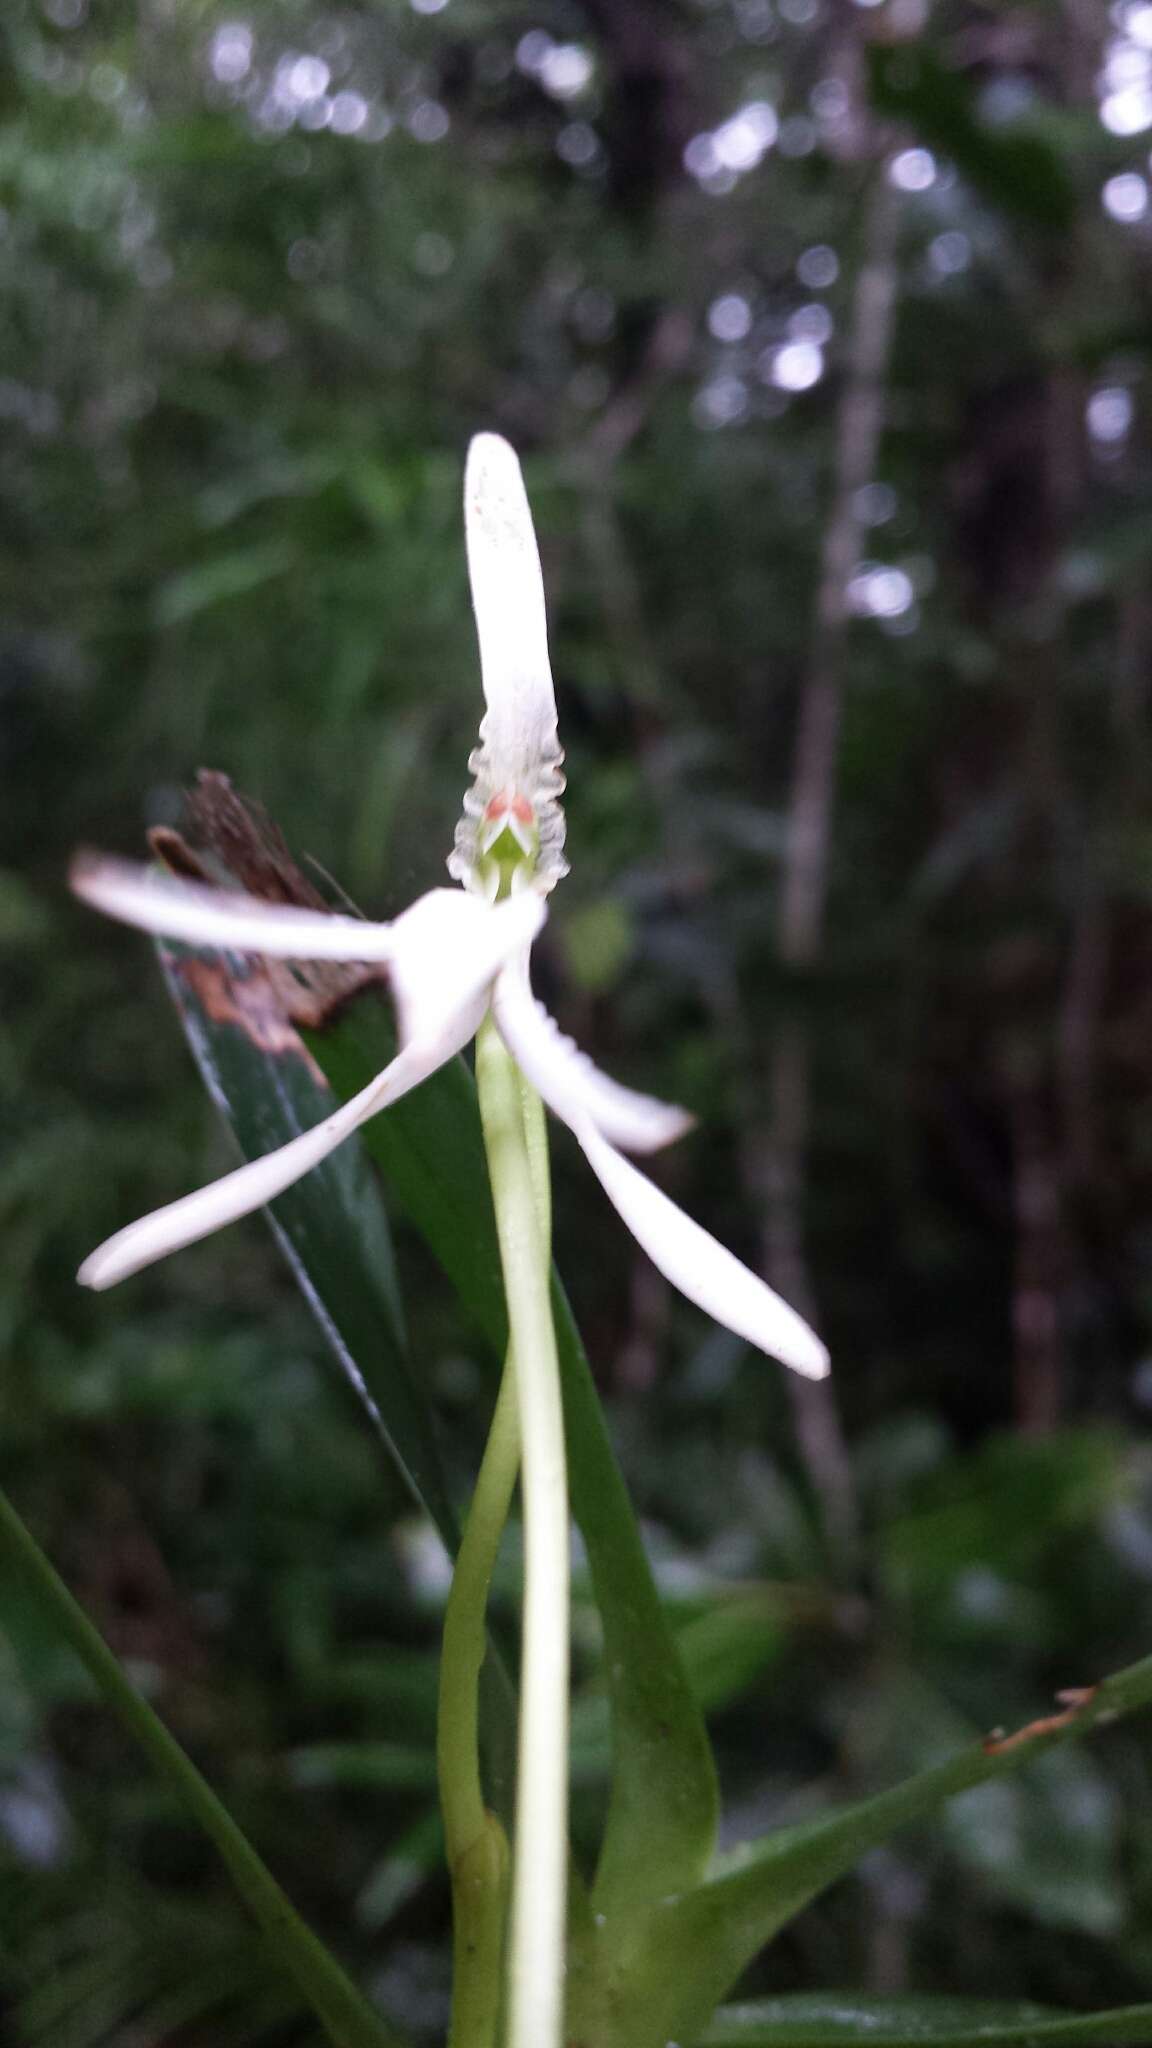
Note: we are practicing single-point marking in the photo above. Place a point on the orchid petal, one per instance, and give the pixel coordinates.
(202, 916)
(700, 1267)
(261, 1180)
(569, 1083)
(446, 949)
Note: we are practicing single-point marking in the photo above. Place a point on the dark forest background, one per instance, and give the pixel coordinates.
(824, 331)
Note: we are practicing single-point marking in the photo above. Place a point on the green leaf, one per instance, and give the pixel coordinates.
(662, 1812)
(1047, 1842)
(723, 1647)
(824, 2020)
(694, 1947)
(334, 1232)
(269, 1093)
(348, 2019)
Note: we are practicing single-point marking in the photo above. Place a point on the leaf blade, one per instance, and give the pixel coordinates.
(822, 2020)
(333, 1229)
(268, 1092)
(693, 1948)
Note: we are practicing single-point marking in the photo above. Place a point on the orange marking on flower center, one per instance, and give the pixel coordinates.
(507, 800)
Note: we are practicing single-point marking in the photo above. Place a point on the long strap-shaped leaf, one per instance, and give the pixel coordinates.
(348, 2020)
(662, 1814)
(662, 1817)
(333, 1229)
(682, 1956)
(826, 2020)
(332, 1226)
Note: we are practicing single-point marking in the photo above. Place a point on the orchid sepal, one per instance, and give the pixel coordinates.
(197, 914)
(444, 952)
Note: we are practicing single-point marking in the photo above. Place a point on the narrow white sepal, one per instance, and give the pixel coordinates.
(261, 1180)
(519, 731)
(442, 951)
(447, 947)
(701, 1268)
(202, 916)
(566, 1078)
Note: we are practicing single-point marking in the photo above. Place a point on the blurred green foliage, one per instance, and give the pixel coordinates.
(262, 272)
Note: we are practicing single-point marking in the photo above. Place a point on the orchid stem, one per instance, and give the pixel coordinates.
(476, 1843)
(513, 1140)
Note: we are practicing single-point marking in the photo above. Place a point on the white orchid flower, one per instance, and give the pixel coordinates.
(455, 952)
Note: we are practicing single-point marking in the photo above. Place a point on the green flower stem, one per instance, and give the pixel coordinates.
(539, 1165)
(347, 2018)
(536, 1956)
(476, 1842)
(465, 1641)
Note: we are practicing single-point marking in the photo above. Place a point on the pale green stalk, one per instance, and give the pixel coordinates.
(476, 1844)
(537, 1943)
